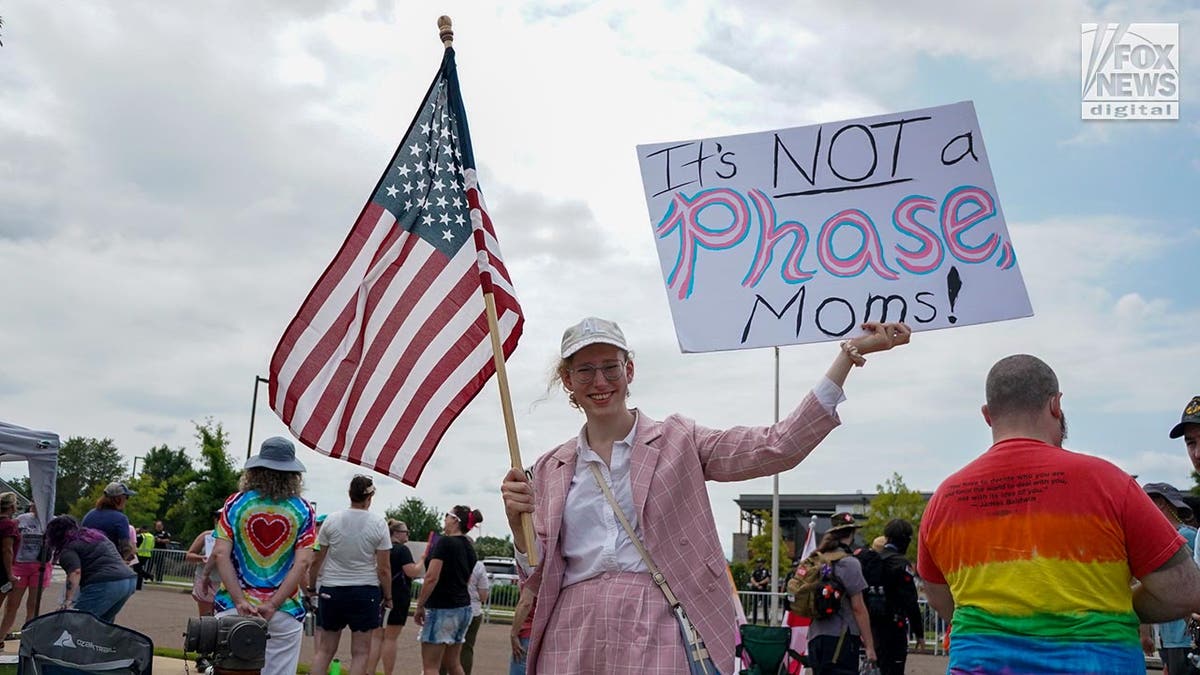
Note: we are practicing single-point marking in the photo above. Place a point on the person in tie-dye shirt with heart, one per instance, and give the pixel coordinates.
(264, 539)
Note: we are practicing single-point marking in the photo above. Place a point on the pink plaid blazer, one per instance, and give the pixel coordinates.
(670, 462)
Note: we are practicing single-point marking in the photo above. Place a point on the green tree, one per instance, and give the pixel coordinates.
(759, 546)
(22, 485)
(143, 508)
(173, 470)
(894, 499)
(215, 481)
(420, 518)
(139, 509)
(86, 502)
(83, 464)
(493, 547)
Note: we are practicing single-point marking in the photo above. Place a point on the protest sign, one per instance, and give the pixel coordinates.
(800, 235)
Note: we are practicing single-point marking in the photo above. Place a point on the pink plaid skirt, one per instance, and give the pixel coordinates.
(615, 624)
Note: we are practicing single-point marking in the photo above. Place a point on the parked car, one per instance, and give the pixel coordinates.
(501, 570)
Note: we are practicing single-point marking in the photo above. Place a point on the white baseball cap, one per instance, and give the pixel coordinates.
(592, 331)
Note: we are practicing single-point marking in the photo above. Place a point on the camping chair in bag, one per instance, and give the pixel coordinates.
(71, 642)
(766, 650)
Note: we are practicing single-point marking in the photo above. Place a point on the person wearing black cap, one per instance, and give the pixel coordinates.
(263, 547)
(760, 581)
(1189, 429)
(1173, 643)
(109, 517)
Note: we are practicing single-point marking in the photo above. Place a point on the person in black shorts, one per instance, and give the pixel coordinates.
(353, 570)
(444, 605)
(404, 570)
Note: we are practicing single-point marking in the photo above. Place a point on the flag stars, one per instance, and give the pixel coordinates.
(458, 219)
(421, 185)
(404, 170)
(457, 202)
(415, 148)
(425, 129)
(445, 132)
(444, 219)
(408, 188)
(428, 219)
(392, 190)
(441, 201)
(439, 185)
(447, 235)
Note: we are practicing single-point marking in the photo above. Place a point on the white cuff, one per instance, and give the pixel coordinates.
(828, 394)
(523, 563)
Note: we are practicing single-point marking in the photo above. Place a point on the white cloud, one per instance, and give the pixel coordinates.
(168, 204)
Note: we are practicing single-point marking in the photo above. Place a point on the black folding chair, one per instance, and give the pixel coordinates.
(72, 642)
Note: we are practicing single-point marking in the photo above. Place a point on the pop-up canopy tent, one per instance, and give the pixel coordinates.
(40, 449)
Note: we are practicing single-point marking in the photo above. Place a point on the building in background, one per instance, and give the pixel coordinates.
(794, 513)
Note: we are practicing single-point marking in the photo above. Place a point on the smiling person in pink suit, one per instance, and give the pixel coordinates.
(599, 610)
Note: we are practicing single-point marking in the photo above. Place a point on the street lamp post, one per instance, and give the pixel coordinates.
(253, 410)
(133, 474)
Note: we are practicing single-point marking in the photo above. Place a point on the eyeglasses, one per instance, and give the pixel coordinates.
(584, 375)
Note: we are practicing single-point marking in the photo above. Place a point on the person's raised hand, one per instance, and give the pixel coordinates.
(881, 337)
(517, 493)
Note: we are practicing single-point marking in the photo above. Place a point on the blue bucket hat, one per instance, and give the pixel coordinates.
(277, 453)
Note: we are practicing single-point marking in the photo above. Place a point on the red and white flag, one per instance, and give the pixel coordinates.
(799, 624)
(392, 343)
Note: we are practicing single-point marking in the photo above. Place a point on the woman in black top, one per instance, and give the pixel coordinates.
(444, 607)
(404, 570)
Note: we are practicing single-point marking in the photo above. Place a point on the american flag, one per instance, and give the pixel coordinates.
(392, 343)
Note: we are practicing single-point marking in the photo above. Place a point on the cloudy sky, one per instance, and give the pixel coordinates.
(174, 178)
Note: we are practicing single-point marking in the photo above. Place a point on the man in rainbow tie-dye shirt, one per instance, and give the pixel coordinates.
(1032, 549)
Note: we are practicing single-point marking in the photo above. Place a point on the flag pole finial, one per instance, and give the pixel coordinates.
(446, 31)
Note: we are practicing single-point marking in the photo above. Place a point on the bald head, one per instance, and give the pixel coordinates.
(1019, 385)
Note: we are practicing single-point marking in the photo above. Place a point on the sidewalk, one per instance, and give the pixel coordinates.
(162, 614)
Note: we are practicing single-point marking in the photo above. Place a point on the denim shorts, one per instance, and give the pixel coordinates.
(354, 606)
(446, 626)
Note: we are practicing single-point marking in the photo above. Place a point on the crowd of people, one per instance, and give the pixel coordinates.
(1045, 560)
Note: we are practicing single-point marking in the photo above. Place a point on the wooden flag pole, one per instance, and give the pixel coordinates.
(446, 34)
(510, 424)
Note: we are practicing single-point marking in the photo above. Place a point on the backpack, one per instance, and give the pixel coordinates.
(875, 597)
(815, 587)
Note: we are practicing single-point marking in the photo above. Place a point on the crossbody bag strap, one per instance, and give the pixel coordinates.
(655, 573)
(694, 646)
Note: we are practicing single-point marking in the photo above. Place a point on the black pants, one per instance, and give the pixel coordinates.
(891, 646)
(822, 651)
(157, 570)
(1176, 662)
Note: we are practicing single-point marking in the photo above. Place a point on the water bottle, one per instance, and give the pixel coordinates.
(310, 623)
(335, 668)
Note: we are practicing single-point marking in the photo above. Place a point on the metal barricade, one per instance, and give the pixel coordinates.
(762, 599)
(168, 567)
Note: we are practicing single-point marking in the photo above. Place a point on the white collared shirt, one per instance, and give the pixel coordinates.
(593, 540)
